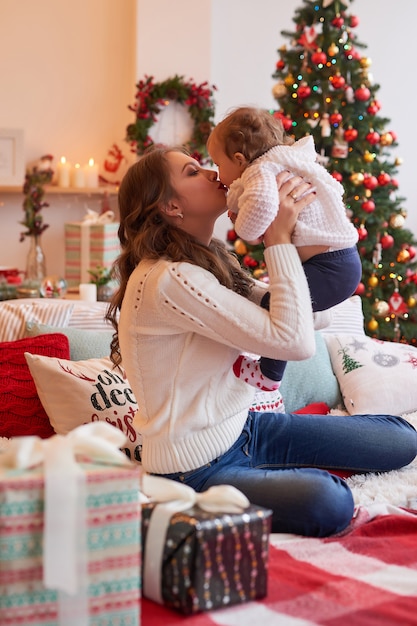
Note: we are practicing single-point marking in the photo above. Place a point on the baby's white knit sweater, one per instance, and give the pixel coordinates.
(254, 197)
(180, 332)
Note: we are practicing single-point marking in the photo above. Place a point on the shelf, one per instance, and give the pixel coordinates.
(54, 189)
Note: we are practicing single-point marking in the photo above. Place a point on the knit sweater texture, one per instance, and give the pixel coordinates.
(180, 332)
(254, 197)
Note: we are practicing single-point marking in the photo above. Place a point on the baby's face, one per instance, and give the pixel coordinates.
(229, 168)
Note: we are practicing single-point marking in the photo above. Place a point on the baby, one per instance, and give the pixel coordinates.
(250, 147)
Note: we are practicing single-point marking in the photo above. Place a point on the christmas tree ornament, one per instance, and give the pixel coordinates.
(373, 281)
(387, 241)
(249, 261)
(412, 250)
(325, 125)
(332, 50)
(368, 206)
(386, 139)
(319, 57)
(353, 21)
(338, 21)
(360, 290)
(357, 178)
(362, 93)
(350, 134)
(370, 182)
(372, 137)
(377, 254)
(380, 308)
(289, 80)
(398, 161)
(279, 90)
(362, 233)
(411, 302)
(231, 235)
(403, 256)
(335, 119)
(337, 81)
(337, 175)
(383, 179)
(303, 91)
(369, 157)
(280, 64)
(397, 221)
(365, 62)
(397, 304)
(372, 325)
(240, 247)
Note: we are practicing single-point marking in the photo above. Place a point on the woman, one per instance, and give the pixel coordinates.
(187, 311)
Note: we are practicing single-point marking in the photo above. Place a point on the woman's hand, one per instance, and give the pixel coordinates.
(294, 195)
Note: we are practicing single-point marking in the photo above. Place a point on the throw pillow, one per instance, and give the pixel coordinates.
(78, 392)
(310, 381)
(84, 344)
(15, 313)
(21, 411)
(374, 376)
(347, 317)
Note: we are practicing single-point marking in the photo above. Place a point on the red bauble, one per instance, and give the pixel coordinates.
(373, 137)
(387, 241)
(338, 176)
(319, 57)
(412, 251)
(360, 290)
(384, 179)
(303, 91)
(248, 261)
(374, 107)
(354, 21)
(393, 135)
(394, 182)
(280, 64)
(231, 235)
(362, 93)
(335, 118)
(370, 182)
(285, 120)
(362, 233)
(368, 206)
(337, 81)
(350, 134)
(338, 21)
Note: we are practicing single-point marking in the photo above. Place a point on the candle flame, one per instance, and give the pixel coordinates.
(91, 162)
(63, 160)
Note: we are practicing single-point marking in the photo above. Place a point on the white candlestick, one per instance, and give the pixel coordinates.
(88, 292)
(91, 174)
(64, 171)
(78, 177)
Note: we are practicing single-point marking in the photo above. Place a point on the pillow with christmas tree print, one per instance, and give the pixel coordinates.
(374, 376)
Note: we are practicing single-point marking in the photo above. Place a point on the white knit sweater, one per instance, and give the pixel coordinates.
(180, 332)
(254, 197)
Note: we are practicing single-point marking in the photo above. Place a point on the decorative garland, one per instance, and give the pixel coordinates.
(152, 97)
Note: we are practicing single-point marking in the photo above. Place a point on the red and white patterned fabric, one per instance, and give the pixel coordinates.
(366, 576)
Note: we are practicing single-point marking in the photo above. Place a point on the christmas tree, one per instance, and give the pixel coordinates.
(325, 89)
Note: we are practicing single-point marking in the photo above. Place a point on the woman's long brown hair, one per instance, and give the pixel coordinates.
(144, 233)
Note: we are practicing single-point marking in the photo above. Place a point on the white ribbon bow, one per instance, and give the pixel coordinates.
(64, 517)
(92, 217)
(174, 497)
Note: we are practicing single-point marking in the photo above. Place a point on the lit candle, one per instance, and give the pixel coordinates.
(78, 177)
(64, 171)
(91, 174)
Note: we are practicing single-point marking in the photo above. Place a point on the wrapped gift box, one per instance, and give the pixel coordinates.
(87, 246)
(113, 554)
(212, 560)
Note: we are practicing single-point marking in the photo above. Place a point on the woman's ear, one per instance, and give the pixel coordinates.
(172, 209)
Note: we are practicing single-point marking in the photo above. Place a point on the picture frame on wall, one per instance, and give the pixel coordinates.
(12, 164)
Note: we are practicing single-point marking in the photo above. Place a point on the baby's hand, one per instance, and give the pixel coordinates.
(232, 216)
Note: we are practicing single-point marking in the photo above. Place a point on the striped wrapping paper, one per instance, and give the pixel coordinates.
(102, 249)
(113, 539)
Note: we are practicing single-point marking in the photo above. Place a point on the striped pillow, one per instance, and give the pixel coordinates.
(14, 314)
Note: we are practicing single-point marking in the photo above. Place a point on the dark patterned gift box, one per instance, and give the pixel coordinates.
(209, 560)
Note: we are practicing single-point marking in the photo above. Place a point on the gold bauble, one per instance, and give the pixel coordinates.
(403, 256)
(332, 50)
(240, 247)
(368, 157)
(373, 281)
(357, 178)
(386, 139)
(380, 308)
(288, 80)
(365, 62)
(373, 325)
(398, 161)
(259, 272)
(279, 90)
(411, 302)
(397, 221)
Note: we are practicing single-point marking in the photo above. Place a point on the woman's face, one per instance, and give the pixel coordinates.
(201, 197)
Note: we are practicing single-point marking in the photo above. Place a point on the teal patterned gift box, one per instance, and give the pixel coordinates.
(112, 517)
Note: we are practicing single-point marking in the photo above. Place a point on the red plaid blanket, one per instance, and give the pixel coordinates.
(367, 577)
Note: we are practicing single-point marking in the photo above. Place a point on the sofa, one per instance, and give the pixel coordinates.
(55, 373)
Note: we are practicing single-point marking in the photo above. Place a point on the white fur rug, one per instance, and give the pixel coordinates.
(398, 487)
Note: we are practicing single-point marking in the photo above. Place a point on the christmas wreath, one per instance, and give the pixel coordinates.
(152, 97)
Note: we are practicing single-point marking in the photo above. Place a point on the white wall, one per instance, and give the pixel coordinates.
(68, 72)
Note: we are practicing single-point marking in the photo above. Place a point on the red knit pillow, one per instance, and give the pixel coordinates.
(21, 411)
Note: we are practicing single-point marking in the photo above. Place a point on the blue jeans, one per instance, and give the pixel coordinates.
(278, 462)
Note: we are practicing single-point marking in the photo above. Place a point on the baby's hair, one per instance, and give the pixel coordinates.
(251, 131)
